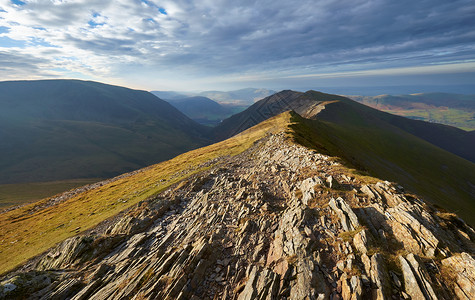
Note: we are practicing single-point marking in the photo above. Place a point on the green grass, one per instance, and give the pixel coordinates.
(26, 233)
(454, 117)
(17, 194)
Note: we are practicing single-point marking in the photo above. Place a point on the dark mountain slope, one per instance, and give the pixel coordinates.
(452, 139)
(59, 129)
(256, 113)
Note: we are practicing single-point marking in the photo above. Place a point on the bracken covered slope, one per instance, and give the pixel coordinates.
(277, 221)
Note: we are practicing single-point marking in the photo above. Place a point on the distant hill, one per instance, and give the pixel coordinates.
(450, 109)
(61, 129)
(242, 97)
(201, 109)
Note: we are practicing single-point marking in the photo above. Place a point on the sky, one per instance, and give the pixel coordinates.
(222, 44)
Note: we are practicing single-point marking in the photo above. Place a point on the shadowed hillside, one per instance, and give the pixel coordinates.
(61, 129)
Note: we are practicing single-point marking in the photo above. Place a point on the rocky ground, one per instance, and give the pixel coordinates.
(278, 221)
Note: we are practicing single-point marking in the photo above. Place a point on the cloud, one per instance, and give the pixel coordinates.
(195, 39)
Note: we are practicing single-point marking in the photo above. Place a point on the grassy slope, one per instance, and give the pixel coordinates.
(21, 193)
(388, 152)
(26, 235)
(79, 149)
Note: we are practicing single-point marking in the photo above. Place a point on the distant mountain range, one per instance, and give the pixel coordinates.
(450, 109)
(242, 97)
(60, 129)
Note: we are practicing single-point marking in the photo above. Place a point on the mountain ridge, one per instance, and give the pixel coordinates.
(382, 144)
(268, 219)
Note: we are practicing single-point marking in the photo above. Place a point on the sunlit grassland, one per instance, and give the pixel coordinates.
(29, 231)
(455, 117)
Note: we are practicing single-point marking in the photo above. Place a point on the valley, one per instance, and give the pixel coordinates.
(449, 109)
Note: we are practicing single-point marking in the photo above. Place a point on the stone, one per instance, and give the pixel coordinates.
(464, 266)
(331, 182)
(361, 240)
(379, 276)
(423, 277)
(307, 188)
(410, 281)
(348, 219)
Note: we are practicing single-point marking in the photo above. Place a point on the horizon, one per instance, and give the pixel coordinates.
(185, 45)
(339, 90)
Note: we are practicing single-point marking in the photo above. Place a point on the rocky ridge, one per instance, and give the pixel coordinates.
(278, 221)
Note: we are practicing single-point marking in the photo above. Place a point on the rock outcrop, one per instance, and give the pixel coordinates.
(278, 221)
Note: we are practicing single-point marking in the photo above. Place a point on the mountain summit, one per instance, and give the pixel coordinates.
(258, 216)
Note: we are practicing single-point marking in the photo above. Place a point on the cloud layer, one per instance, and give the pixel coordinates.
(168, 41)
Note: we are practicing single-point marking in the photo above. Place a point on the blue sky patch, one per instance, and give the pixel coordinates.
(18, 2)
(9, 43)
(94, 24)
(41, 42)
